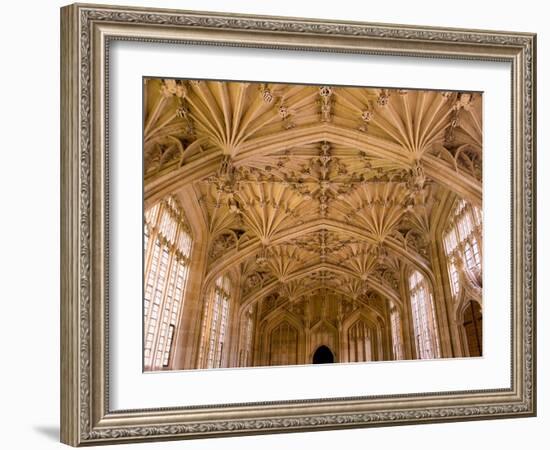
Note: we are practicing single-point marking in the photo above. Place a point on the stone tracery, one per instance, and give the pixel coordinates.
(313, 193)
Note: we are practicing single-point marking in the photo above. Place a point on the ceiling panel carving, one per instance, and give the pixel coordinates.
(313, 190)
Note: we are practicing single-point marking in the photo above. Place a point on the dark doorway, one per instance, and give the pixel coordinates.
(473, 326)
(323, 355)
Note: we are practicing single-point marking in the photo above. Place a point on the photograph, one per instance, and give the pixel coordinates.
(295, 224)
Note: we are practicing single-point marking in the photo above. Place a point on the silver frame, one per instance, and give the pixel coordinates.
(86, 32)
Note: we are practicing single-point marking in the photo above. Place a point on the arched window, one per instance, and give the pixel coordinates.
(214, 323)
(167, 249)
(396, 333)
(425, 329)
(462, 241)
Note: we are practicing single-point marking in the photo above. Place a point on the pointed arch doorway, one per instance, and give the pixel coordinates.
(473, 328)
(323, 355)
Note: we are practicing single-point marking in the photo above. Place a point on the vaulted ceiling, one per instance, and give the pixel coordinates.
(312, 187)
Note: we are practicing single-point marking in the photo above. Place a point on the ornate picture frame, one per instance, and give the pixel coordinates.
(87, 31)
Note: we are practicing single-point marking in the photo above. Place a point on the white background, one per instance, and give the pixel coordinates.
(30, 224)
(132, 389)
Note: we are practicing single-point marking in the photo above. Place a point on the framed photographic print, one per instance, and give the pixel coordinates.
(275, 225)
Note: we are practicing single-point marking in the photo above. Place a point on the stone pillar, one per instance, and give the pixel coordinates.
(189, 326)
(307, 347)
(257, 357)
(235, 325)
(379, 341)
(343, 340)
(387, 333)
(441, 300)
(444, 304)
(409, 344)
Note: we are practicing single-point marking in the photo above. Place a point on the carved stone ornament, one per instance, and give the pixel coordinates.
(88, 32)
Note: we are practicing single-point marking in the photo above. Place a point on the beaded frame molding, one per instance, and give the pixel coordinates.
(86, 34)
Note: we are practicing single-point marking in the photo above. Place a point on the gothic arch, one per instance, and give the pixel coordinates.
(256, 295)
(347, 295)
(477, 334)
(463, 185)
(375, 325)
(325, 195)
(324, 333)
(251, 247)
(267, 327)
